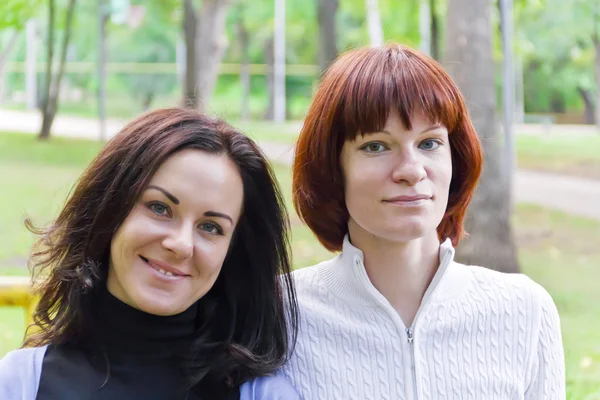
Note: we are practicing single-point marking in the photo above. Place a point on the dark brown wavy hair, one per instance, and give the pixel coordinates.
(249, 317)
(355, 97)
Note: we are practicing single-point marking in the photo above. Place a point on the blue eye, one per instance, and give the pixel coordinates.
(430, 144)
(373, 147)
(158, 208)
(211, 227)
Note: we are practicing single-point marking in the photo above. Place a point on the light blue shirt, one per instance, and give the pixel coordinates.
(20, 373)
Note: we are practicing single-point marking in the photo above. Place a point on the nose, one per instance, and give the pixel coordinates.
(408, 169)
(180, 241)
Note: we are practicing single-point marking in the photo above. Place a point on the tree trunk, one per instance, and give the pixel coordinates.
(103, 14)
(244, 40)
(211, 43)
(51, 103)
(557, 102)
(31, 76)
(588, 100)
(46, 119)
(597, 47)
(596, 42)
(508, 90)
(270, 77)
(520, 91)
(469, 60)
(435, 31)
(374, 23)
(190, 29)
(147, 100)
(327, 10)
(12, 41)
(4, 54)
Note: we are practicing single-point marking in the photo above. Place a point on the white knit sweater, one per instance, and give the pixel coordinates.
(478, 334)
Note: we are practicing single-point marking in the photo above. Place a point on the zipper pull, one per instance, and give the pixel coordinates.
(409, 334)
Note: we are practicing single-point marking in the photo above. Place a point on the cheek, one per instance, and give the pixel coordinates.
(440, 172)
(210, 255)
(364, 179)
(442, 179)
(133, 233)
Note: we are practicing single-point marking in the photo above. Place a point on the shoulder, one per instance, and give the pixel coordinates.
(308, 274)
(22, 361)
(19, 373)
(518, 290)
(517, 282)
(309, 279)
(317, 288)
(274, 387)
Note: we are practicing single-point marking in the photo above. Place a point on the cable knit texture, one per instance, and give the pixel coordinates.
(479, 334)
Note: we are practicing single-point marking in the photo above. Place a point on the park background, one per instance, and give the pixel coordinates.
(73, 72)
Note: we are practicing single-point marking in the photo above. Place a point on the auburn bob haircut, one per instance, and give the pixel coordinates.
(355, 97)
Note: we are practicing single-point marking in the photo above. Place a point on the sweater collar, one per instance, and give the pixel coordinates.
(347, 277)
(124, 329)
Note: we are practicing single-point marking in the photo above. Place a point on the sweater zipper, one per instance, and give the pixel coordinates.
(410, 332)
(410, 336)
(394, 315)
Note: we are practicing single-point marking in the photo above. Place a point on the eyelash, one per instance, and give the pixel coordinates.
(158, 203)
(151, 205)
(438, 141)
(218, 229)
(366, 146)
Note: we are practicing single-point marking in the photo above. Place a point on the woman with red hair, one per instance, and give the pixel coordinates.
(386, 164)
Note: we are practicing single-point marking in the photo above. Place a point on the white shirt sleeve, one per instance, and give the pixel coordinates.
(548, 374)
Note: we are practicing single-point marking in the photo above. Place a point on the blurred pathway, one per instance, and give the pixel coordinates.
(574, 195)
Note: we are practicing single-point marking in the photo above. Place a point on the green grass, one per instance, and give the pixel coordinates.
(577, 154)
(561, 253)
(35, 178)
(22, 149)
(557, 250)
(12, 327)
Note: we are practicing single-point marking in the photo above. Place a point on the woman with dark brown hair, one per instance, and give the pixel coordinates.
(385, 167)
(161, 277)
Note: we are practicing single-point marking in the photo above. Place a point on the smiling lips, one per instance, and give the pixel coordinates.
(164, 268)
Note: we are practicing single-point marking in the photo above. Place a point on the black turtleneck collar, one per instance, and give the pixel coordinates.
(123, 329)
(138, 357)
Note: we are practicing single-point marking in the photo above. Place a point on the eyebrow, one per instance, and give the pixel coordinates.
(165, 192)
(176, 201)
(219, 215)
(431, 128)
(434, 127)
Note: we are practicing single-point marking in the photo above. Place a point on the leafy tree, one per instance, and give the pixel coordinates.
(53, 80)
(558, 71)
(151, 42)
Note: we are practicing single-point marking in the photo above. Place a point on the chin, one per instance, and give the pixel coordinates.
(153, 304)
(406, 231)
(159, 310)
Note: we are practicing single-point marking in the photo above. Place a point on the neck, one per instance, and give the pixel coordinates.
(400, 271)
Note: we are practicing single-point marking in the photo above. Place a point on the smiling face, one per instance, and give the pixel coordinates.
(169, 251)
(397, 181)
